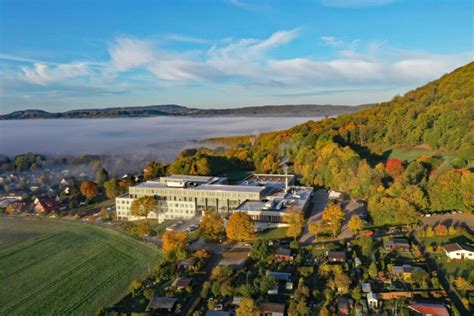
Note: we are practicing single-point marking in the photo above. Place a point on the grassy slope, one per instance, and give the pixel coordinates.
(69, 269)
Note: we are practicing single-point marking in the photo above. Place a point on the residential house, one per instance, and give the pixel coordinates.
(457, 251)
(182, 283)
(219, 313)
(343, 304)
(428, 309)
(159, 305)
(280, 276)
(366, 288)
(272, 309)
(283, 254)
(336, 256)
(235, 257)
(45, 205)
(405, 271)
(372, 300)
(396, 244)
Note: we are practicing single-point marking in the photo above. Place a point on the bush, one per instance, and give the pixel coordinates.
(294, 245)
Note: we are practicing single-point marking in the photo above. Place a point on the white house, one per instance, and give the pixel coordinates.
(459, 251)
(372, 300)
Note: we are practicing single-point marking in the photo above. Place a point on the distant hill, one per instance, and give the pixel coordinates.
(178, 110)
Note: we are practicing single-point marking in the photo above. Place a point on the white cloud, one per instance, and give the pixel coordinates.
(127, 53)
(43, 74)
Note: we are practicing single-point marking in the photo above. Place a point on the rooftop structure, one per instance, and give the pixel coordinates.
(162, 304)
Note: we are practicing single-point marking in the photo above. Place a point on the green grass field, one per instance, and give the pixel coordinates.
(274, 233)
(66, 268)
(414, 153)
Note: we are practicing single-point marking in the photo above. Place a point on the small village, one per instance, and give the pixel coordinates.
(295, 267)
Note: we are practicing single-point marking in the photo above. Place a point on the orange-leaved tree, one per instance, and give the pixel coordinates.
(240, 227)
(174, 240)
(212, 226)
(89, 189)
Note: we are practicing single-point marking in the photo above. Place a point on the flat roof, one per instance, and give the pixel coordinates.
(228, 188)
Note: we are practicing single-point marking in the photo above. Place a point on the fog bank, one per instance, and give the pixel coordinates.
(158, 138)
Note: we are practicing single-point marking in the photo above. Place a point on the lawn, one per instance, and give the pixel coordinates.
(409, 154)
(66, 268)
(451, 267)
(274, 233)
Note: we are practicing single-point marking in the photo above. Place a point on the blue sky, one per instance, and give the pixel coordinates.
(61, 55)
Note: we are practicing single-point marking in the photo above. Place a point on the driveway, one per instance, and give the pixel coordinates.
(351, 208)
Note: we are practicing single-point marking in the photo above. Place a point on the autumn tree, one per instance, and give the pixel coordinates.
(143, 206)
(143, 229)
(394, 167)
(316, 228)
(295, 221)
(154, 170)
(89, 189)
(174, 241)
(212, 226)
(247, 307)
(355, 224)
(240, 227)
(333, 216)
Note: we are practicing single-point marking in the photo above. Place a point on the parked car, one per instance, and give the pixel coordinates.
(367, 233)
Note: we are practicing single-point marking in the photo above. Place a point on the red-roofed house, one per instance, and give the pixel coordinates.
(428, 309)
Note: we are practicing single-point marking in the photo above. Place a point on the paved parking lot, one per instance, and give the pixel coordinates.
(320, 200)
(466, 219)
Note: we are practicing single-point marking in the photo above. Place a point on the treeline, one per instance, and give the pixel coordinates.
(346, 153)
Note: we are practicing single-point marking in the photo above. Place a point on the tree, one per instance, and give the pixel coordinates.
(89, 190)
(260, 250)
(367, 246)
(240, 227)
(373, 270)
(342, 282)
(356, 293)
(333, 216)
(101, 176)
(143, 206)
(112, 189)
(174, 241)
(154, 170)
(265, 283)
(295, 221)
(394, 167)
(462, 284)
(440, 230)
(316, 228)
(143, 229)
(247, 307)
(212, 226)
(355, 224)
(135, 286)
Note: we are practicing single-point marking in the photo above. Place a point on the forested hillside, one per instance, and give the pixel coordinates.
(349, 153)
